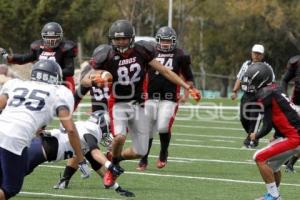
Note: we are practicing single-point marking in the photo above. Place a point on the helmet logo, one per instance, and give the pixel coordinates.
(120, 34)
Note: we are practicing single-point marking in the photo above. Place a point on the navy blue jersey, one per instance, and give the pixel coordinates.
(64, 55)
(160, 87)
(128, 72)
(278, 112)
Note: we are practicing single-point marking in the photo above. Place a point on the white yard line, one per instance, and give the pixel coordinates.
(208, 127)
(64, 196)
(194, 177)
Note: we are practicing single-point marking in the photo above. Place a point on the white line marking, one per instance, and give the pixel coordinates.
(65, 196)
(195, 177)
(208, 127)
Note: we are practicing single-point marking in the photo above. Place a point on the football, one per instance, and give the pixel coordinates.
(101, 78)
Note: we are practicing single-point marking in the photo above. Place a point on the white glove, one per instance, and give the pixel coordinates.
(84, 169)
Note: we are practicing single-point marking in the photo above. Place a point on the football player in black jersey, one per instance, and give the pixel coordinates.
(276, 111)
(292, 73)
(128, 62)
(50, 47)
(163, 95)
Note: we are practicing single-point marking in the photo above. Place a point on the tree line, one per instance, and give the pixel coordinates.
(218, 34)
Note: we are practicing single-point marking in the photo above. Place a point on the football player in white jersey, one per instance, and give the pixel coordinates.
(54, 146)
(28, 106)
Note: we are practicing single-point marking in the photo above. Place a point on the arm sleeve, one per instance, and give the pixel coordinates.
(186, 69)
(78, 95)
(287, 77)
(69, 66)
(64, 98)
(23, 58)
(266, 105)
(91, 141)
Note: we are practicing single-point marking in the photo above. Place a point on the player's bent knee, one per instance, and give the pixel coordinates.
(120, 139)
(8, 193)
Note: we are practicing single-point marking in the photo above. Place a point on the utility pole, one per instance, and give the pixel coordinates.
(170, 13)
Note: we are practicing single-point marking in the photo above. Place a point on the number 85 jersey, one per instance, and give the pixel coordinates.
(30, 106)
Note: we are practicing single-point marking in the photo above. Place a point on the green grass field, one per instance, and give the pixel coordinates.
(206, 162)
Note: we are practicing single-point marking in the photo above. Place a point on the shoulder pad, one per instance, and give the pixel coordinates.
(149, 46)
(36, 44)
(263, 93)
(294, 59)
(101, 53)
(68, 45)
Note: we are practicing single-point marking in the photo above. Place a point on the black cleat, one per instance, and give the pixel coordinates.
(124, 192)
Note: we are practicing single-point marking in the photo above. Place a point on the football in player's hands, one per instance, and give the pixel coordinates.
(101, 78)
(195, 93)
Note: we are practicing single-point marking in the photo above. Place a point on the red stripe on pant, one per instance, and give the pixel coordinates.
(172, 119)
(277, 148)
(70, 83)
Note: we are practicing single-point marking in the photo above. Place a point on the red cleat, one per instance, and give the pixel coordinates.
(109, 179)
(142, 167)
(160, 164)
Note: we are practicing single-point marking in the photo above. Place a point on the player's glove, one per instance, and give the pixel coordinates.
(84, 169)
(195, 93)
(117, 170)
(3, 53)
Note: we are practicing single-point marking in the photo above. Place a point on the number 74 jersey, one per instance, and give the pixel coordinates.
(30, 106)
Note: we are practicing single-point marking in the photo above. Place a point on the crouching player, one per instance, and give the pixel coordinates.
(277, 112)
(54, 146)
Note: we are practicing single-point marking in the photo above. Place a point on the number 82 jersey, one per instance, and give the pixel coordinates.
(128, 70)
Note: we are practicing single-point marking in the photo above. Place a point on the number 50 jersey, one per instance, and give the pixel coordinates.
(30, 106)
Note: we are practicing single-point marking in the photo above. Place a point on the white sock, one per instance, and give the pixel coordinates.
(107, 164)
(272, 189)
(114, 186)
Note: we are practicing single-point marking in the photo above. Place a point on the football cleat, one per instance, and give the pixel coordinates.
(109, 178)
(289, 169)
(142, 166)
(268, 196)
(161, 164)
(124, 192)
(63, 183)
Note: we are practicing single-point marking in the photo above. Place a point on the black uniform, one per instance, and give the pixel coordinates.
(293, 72)
(161, 88)
(99, 96)
(128, 72)
(64, 55)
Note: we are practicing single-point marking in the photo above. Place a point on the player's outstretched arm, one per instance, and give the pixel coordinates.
(67, 122)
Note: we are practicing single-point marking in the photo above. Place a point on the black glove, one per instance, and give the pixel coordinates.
(3, 53)
(116, 169)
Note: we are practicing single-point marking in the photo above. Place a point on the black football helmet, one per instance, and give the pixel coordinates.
(258, 75)
(47, 71)
(52, 34)
(102, 119)
(122, 29)
(166, 33)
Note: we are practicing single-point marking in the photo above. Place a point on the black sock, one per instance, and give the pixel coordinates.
(69, 172)
(145, 158)
(164, 144)
(293, 160)
(117, 160)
